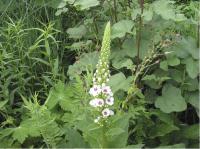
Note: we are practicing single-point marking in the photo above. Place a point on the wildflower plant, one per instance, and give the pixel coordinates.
(103, 99)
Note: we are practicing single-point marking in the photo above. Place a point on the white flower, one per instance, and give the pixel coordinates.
(111, 112)
(103, 84)
(95, 90)
(97, 102)
(107, 112)
(110, 101)
(107, 90)
(97, 119)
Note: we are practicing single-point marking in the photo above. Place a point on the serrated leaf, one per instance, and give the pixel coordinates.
(58, 93)
(122, 27)
(2, 103)
(171, 100)
(20, 134)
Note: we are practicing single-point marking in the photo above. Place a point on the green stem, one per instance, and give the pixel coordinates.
(104, 139)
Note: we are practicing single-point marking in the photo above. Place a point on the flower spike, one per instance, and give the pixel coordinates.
(102, 93)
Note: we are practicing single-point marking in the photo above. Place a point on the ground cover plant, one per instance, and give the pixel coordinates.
(99, 73)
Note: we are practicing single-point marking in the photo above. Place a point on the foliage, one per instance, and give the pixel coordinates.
(48, 53)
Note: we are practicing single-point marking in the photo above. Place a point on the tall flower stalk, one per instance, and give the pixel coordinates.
(102, 94)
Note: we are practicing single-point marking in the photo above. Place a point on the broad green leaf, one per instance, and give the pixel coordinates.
(77, 32)
(161, 130)
(122, 27)
(75, 140)
(190, 84)
(171, 100)
(119, 138)
(180, 145)
(136, 146)
(193, 99)
(164, 9)
(166, 118)
(173, 61)
(147, 14)
(119, 82)
(119, 63)
(154, 81)
(176, 75)
(86, 62)
(86, 4)
(192, 67)
(164, 65)
(191, 132)
(127, 48)
(114, 132)
(185, 47)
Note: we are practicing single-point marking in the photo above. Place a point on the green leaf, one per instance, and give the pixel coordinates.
(184, 48)
(173, 61)
(114, 132)
(86, 62)
(2, 104)
(119, 82)
(119, 63)
(190, 84)
(58, 93)
(192, 67)
(180, 145)
(164, 9)
(86, 4)
(193, 99)
(136, 146)
(176, 75)
(164, 65)
(75, 140)
(147, 14)
(120, 124)
(20, 134)
(171, 100)
(161, 130)
(77, 32)
(191, 132)
(122, 27)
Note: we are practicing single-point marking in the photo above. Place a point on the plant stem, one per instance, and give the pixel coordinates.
(104, 140)
(138, 40)
(115, 11)
(198, 32)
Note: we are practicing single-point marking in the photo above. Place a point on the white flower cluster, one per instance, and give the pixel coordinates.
(103, 98)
